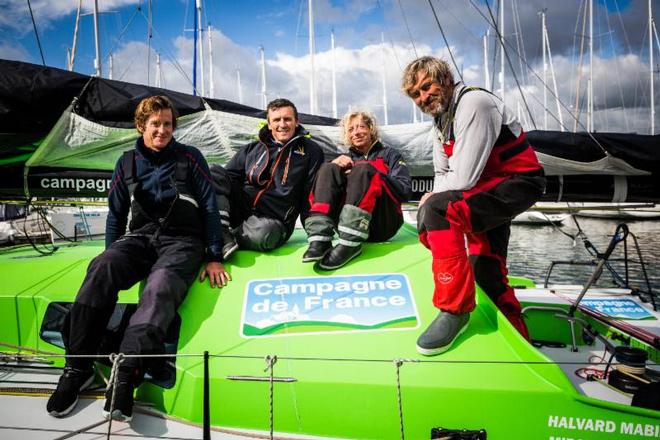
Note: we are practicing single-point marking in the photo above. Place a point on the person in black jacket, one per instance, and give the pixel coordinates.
(359, 193)
(167, 187)
(265, 186)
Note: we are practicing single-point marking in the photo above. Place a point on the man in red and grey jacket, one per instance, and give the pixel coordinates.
(486, 173)
(359, 193)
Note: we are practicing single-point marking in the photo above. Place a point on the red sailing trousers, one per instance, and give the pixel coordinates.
(483, 216)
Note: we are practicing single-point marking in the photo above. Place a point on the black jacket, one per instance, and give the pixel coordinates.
(277, 179)
(156, 193)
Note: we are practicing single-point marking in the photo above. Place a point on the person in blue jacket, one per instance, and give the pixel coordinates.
(359, 193)
(265, 186)
(174, 227)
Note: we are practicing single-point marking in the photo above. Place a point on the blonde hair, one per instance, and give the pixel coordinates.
(149, 106)
(438, 69)
(367, 117)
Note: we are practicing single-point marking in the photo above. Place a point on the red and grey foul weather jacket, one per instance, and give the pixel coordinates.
(483, 143)
(276, 178)
(390, 164)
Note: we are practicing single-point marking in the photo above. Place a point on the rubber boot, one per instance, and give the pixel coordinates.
(320, 229)
(353, 231)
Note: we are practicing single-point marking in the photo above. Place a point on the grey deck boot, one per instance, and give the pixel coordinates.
(441, 333)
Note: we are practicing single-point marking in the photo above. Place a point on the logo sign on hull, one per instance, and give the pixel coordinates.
(622, 308)
(285, 306)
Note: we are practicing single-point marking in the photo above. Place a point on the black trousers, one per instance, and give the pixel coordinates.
(365, 188)
(168, 265)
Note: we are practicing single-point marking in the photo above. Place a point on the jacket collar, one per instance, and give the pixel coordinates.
(150, 154)
(266, 137)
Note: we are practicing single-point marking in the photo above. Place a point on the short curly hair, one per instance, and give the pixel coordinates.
(368, 118)
(438, 69)
(153, 104)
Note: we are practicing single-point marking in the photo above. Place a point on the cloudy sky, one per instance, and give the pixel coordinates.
(374, 40)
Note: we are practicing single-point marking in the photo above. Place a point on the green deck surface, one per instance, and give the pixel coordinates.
(345, 381)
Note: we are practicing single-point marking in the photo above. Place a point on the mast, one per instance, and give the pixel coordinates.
(382, 72)
(552, 75)
(211, 82)
(590, 84)
(579, 74)
(312, 84)
(264, 99)
(97, 44)
(486, 70)
(238, 86)
(158, 71)
(545, 71)
(334, 74)
(200, 42)
(651, 25)
(502, 49)
(111, 66)
(149, 35)
(72, 58)
(194, 72)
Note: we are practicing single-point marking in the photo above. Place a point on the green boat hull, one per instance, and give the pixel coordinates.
(338, 378)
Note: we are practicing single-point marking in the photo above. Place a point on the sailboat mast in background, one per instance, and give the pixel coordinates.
(264, 99)
(334, 74)
(312, 83)
(97, 43)
(651, 26)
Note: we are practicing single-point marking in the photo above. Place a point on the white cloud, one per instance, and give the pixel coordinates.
(15, 14)
(14, 52)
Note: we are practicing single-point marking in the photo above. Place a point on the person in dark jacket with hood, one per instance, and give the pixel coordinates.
(359, 193)
(168, 190)
(265, 186)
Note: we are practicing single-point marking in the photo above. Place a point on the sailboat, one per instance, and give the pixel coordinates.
(285, 351)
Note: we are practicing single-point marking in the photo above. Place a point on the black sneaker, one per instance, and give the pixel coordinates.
(441, 333)
(316, 250)
(339, 255)
(229, 243)
(65, 397)
(122, 410)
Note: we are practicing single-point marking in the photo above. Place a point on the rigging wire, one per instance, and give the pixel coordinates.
(458, 70)
(523, 71)
(121, 34)
(505, 53)
(391, 41)
(36, 34)
(405, 20)
(616, 66)
(598, 144)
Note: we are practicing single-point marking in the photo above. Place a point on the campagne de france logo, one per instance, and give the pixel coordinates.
(328, 303)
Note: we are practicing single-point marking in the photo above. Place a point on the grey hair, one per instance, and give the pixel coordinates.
(436, 68)
(368, 119)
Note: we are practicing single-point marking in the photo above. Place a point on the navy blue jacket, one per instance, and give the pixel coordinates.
(277, 179)
(396, 175)
(156, 192)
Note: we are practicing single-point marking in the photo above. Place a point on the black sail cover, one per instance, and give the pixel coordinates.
(33, 98)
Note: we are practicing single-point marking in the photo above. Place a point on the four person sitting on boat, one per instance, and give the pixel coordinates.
(359, 194)
(265, 186)
(174, 227)
(184, 213)
(486, 173)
